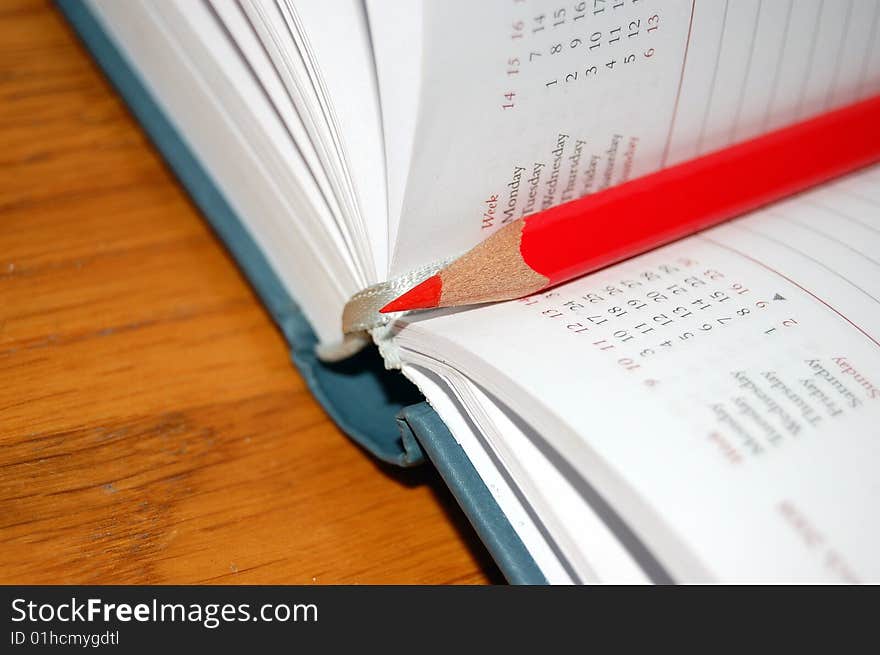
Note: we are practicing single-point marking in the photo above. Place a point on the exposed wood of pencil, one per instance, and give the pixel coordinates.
(493, 270)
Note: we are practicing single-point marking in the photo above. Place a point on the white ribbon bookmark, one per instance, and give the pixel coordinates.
(360, 316)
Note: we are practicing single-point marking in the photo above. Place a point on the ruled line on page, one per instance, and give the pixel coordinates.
(811, 57)
(790, 280)
(779, 57)
(846, 216)
(838, 57)
(869, 49)
(823, 234)
(734, 125)
(806, 255)
(866, 183)
(714, 79)
(687, 46)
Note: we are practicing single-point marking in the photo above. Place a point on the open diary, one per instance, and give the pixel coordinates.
(707, 411)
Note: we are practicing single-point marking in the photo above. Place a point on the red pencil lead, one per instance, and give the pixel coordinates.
(425, 295)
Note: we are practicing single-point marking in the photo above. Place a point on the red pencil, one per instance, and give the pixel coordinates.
(569, 240)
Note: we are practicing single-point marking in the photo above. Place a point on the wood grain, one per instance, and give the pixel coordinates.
(153, 429)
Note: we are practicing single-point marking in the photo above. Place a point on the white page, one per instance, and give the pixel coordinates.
(793, 64)
(280, 35)
(722, 393)
(234, 20)
(396, 29)
(466, 435)
(855, 51)
(769, 39)
(538, 103)
(225, 118)
(496, 443)
(335, 42)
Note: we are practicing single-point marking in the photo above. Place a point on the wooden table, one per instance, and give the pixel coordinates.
(152, 428)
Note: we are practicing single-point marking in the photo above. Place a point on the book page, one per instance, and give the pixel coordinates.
(722, 392)
(320, 65)
(184, 56)
(396, 29)
(335, 43)
(525, 104)
(508, 458)
(457, 419)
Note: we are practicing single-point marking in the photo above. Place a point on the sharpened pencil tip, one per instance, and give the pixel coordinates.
(425, 295)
